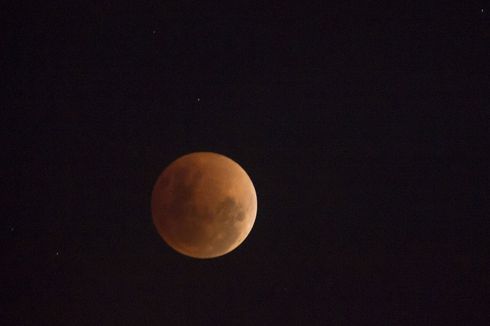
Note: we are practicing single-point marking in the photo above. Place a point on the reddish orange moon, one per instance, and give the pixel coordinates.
(204, 205)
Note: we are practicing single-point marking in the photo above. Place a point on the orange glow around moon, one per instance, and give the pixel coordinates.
(204, 205)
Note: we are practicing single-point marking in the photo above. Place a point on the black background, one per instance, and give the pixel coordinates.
(362, 126)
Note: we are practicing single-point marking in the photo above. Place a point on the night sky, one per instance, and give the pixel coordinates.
(363, 127)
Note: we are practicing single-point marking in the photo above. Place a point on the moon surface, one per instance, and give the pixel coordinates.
(204, 205)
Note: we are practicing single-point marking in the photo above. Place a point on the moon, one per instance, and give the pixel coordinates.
(204, 205)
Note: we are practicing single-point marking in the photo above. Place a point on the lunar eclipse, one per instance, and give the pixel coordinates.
(204, 205)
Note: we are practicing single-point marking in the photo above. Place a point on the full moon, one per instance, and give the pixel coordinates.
(204, 205)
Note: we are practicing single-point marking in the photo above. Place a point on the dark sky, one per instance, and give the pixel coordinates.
(363, 127)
